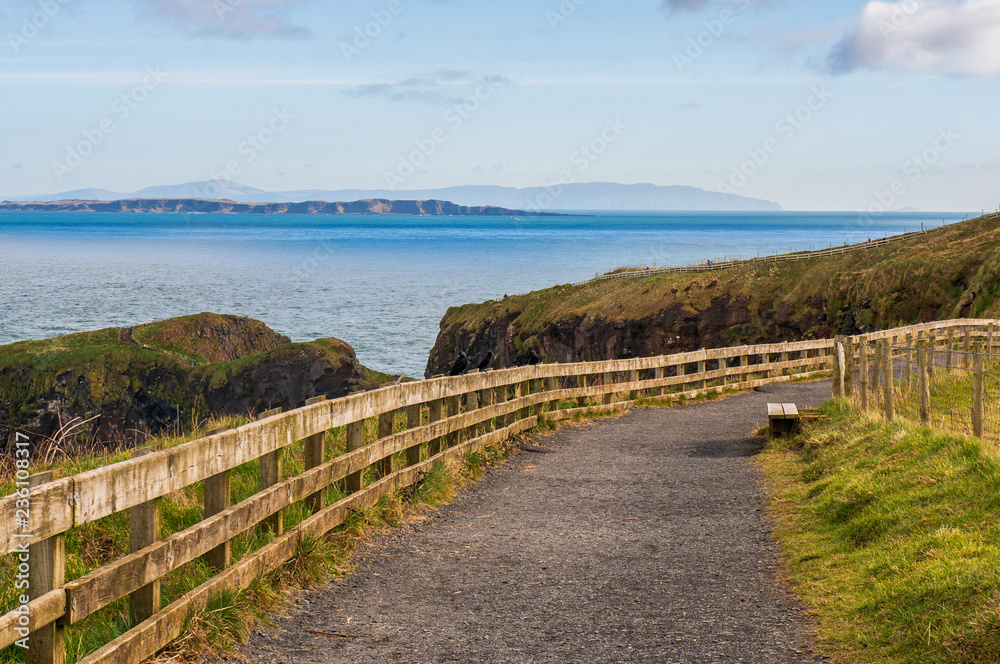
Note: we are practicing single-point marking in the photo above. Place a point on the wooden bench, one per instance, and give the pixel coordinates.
(783, 418)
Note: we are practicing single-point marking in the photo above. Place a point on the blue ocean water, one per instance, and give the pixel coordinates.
(380, 283)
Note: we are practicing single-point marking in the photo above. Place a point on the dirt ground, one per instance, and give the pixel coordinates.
(636, 539)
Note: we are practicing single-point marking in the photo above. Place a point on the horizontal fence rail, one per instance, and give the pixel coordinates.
(445, 418)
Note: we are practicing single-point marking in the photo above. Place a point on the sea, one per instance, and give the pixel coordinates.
(381, 283)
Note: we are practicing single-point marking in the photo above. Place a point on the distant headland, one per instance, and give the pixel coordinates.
(373, 206)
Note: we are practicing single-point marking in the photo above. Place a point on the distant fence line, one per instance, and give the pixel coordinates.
(419, 424)
(781, 258)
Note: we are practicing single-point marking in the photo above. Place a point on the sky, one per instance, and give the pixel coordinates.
(839, 105)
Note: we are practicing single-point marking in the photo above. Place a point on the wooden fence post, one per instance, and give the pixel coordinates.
(838, 369)
(471, 404)
(144, 529)
(553, 385)
(487, 400)
(966, 346)
(745, 362)
(923, 382)
(508, 393)
(454, 408)
(876, 380)
(989, 339)
(435, 410)
(908, 368)
(949, 358)
(887, 380)
(633, 377)
(355, 432)
(413, 417)
(218, 497)
(271, 465)
(978, 391)
(314, 454)
(523, 390)
(863, 351)
(849, 367)
(47, 571)
(582, 382)
(386, 425)
(701, 369)
(609, 380)
(657, 375)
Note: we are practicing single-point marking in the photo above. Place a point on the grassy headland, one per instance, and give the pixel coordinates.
(948, 272)
(168, 375)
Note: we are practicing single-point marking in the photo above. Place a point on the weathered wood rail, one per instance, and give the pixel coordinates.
(780, 258)
(441, 425)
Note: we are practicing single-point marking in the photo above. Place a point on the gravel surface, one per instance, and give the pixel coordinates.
(637, 539)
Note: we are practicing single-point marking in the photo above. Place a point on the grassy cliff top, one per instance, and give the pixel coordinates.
(948, 272)
(196, 339)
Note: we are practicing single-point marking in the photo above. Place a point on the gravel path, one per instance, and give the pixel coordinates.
(637, 539)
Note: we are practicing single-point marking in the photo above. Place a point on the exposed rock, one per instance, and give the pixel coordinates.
(154, 377)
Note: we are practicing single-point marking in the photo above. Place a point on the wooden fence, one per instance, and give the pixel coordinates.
(894, 371)
(446, 418)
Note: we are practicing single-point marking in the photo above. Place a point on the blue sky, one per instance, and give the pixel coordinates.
(839, 105)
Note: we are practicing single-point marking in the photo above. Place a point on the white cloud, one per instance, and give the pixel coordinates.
(953, 37)
(234, 19)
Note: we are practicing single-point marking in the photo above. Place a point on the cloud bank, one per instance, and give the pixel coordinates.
(233, 19)
(435, 88)
(685, 5)
(950, 37)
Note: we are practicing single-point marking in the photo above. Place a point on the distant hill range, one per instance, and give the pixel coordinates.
(200, 205)
(576, 196)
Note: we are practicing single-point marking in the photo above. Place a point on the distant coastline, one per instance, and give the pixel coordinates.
(206, 206)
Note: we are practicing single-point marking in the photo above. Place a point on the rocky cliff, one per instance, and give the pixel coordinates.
(198, 205)
(947, 273)
(154, 377)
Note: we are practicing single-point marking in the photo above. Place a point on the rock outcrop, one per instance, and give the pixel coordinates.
(171, 374)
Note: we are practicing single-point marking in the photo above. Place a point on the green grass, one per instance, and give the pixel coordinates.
(892, 537)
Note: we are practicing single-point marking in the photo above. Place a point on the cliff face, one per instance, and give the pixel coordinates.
(150, 378)
(950, 272)
(198, 205)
